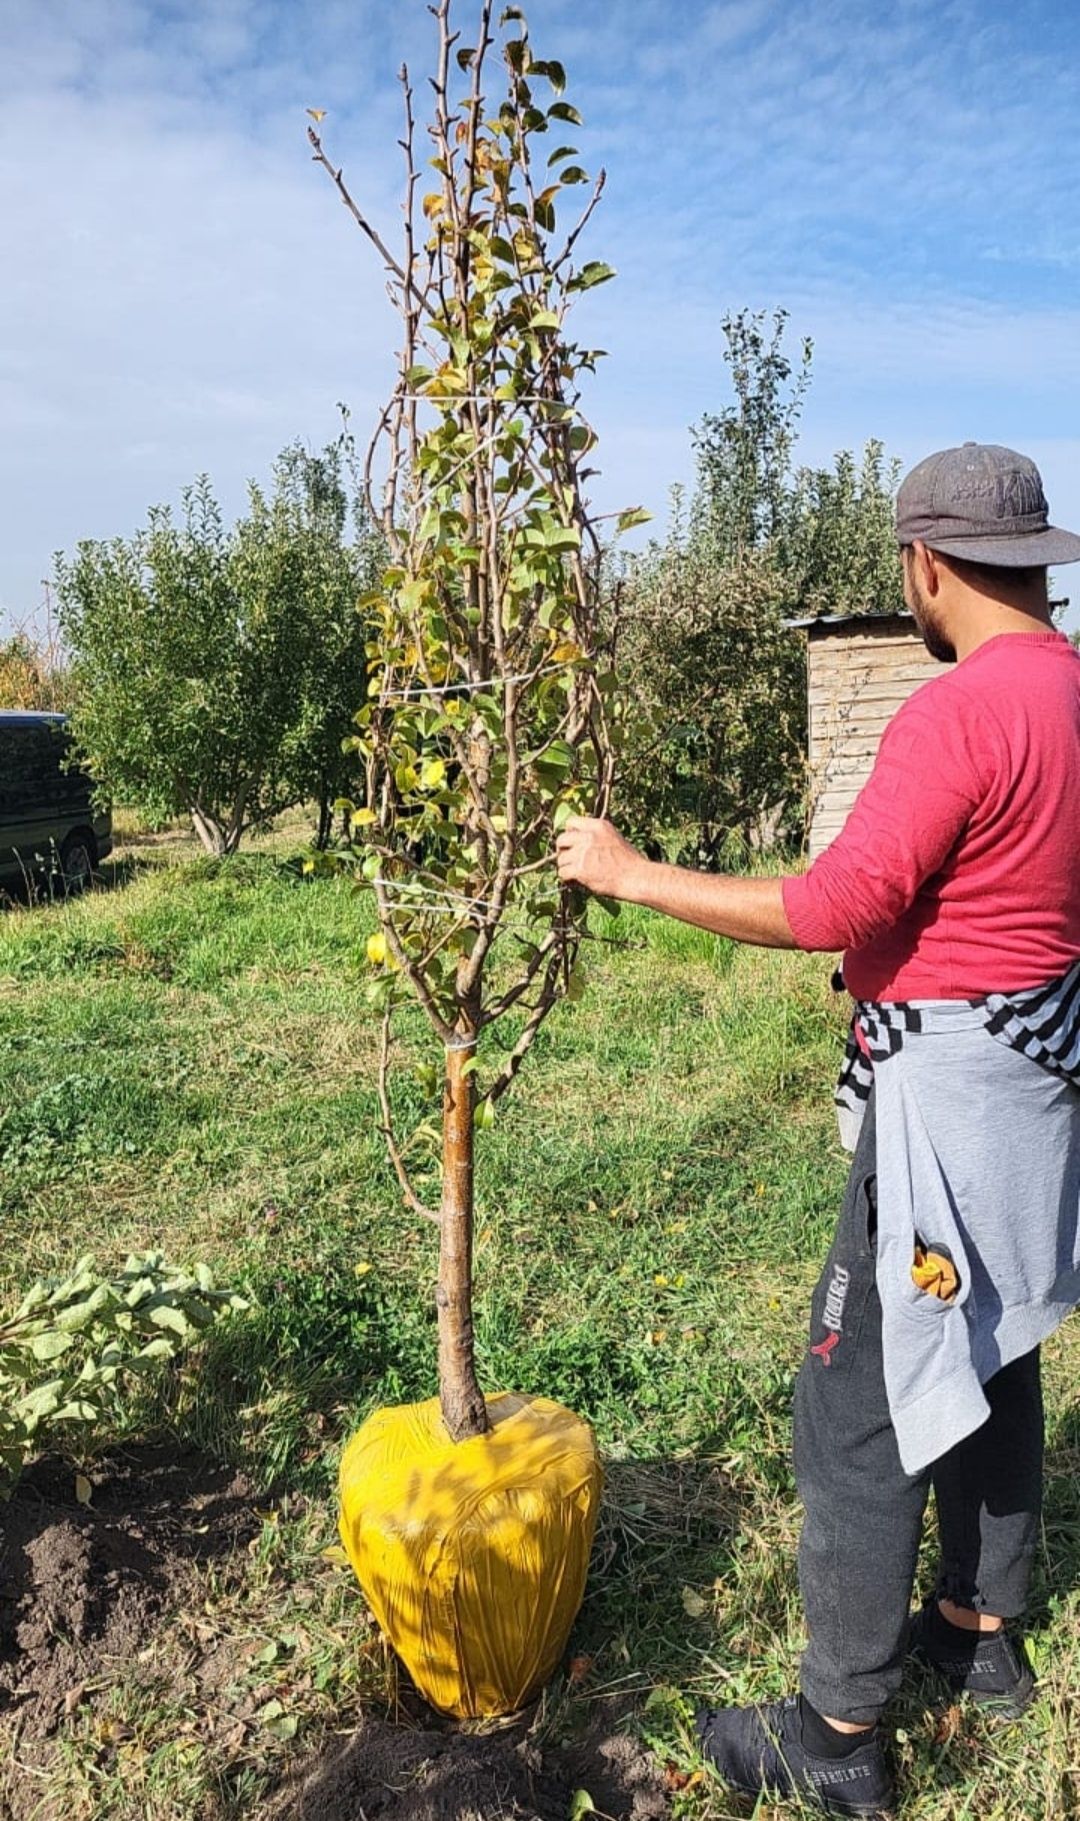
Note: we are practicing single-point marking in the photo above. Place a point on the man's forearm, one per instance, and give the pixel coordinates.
(747, 910)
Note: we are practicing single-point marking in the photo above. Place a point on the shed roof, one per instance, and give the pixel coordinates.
(832, 620)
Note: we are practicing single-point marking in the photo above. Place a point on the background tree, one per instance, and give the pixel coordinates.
(715, 750)
(838, 548)
(34, 670)
(211, 665)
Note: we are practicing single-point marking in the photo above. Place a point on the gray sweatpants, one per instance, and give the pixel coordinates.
(864, 1514)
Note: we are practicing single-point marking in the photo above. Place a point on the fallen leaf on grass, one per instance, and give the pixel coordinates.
(694, 1605)
(114, 1732)
(84, 1490)
(579, 1669)
(948, 1725)
(335, 1554)
(73, 1697)
(676, 1779)
(581, 1805)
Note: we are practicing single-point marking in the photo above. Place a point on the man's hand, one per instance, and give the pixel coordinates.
(592, 853)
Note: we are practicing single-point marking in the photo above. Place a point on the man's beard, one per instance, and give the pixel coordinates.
(929, 625)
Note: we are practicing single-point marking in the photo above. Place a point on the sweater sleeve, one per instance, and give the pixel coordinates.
(928, 778)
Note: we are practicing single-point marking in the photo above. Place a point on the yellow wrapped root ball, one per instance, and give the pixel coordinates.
(473, 1554)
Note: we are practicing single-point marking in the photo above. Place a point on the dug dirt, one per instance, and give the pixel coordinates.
(387, 1771)
(82, 1583)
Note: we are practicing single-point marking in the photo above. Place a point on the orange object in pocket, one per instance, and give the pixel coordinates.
(935, 1273)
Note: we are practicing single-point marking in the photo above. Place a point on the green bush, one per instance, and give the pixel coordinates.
(68, 1349)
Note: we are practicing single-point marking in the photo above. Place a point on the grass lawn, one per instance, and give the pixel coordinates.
(186, 1060)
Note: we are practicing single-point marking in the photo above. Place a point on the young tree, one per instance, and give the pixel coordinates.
(486, 720)
(210, 665)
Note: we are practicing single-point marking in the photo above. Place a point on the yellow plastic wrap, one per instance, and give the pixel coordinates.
(473, 1554)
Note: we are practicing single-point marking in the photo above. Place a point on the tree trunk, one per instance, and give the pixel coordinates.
(463, 1408)
(210, 833)
(326, 819)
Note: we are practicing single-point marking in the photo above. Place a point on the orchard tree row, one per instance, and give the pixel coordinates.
(215, 671)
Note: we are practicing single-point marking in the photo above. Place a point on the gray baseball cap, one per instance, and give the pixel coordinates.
(985, 504)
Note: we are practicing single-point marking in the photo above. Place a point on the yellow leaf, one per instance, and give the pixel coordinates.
(694, 1605)
(84, 1491)
(433, 774)
(334, 1553)
(317, 113)
(567, 653)
(376, 949)
(363, 818)
(362, 1269)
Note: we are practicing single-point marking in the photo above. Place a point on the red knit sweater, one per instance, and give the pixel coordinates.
(958, 870)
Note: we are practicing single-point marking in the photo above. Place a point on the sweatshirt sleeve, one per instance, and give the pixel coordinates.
(928, 778)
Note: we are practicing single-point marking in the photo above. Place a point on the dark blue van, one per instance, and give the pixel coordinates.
(48, 821)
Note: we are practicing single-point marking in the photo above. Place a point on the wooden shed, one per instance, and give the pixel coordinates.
(859, 668)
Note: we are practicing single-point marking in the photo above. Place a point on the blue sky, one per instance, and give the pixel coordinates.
(183, 291)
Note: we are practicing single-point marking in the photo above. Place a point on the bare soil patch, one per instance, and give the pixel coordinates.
(388, 1770)
(82, 1585)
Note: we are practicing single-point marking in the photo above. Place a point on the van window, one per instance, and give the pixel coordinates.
(31, 767)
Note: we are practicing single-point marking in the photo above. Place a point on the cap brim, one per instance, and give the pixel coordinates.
(1033, 550)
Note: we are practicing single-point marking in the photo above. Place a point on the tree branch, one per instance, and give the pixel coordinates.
(402, 1174)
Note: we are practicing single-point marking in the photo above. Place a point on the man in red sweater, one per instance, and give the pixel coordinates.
(953, 889)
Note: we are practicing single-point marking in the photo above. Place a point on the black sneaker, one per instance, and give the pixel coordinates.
(990, 1668)
(760, 1749)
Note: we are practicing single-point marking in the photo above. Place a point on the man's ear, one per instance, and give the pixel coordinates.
(926, 566)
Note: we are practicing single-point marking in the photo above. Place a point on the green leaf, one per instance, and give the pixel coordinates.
(594, 273)
(77, 1410)
(43, 1401)
(544, 319)
(556, 75)
(561, 110)
(484, 1117)
(634, 515)
(465, 57)
(582, 1805)
(49, 1346)
(574, 173)
(160, 1348)
(165, 1316)
(563, 151)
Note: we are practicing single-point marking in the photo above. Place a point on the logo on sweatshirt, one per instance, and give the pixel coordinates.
(832, 1315)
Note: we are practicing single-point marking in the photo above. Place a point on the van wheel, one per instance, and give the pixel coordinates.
(76, 863)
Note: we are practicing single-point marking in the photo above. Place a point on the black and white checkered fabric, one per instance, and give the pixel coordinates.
(1043, 1022)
